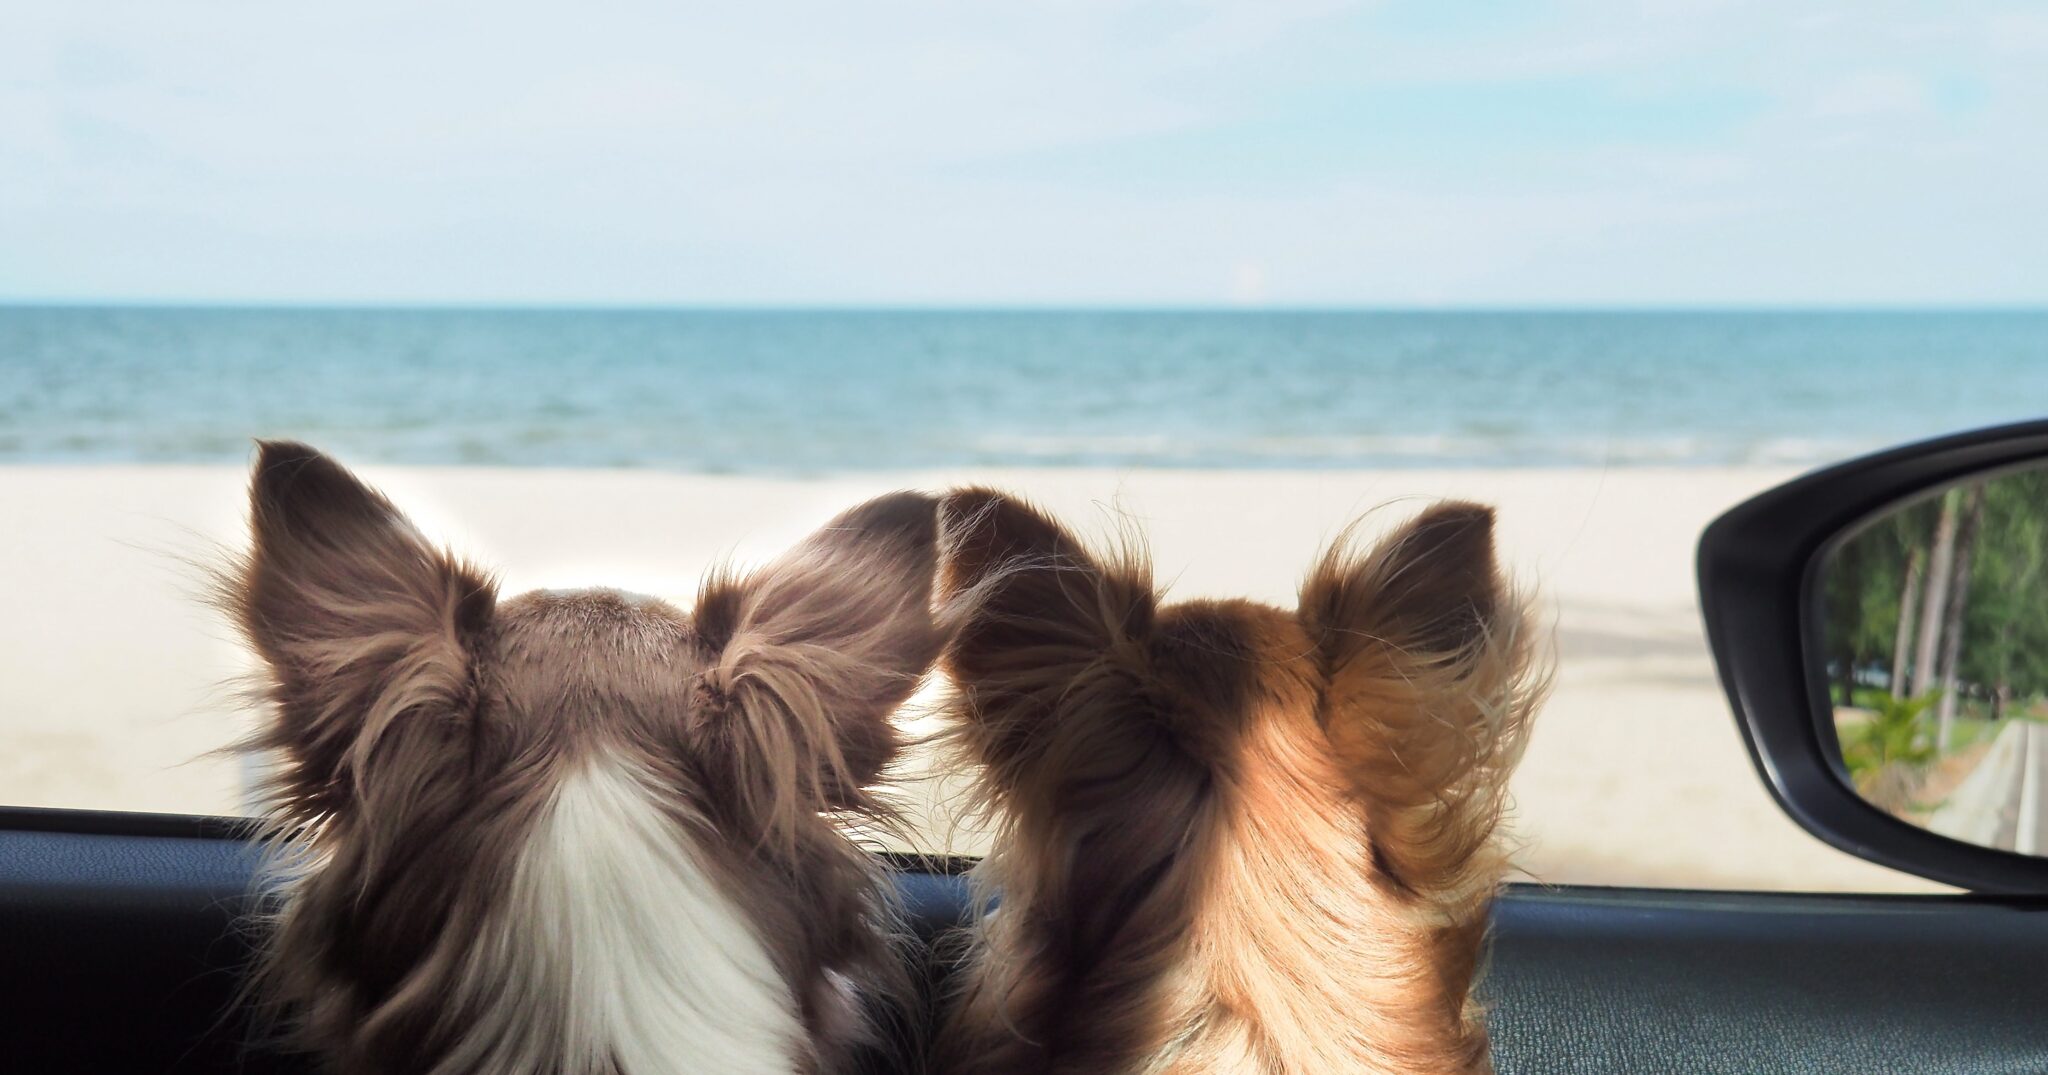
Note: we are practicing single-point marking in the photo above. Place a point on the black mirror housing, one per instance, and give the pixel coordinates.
(1758, 566)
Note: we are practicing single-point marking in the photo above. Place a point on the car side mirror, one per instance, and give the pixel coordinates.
(1881, 628)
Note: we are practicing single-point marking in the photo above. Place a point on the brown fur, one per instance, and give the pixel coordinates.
(420, 725)
(1232, 838)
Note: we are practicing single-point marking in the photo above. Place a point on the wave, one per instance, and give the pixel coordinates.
(1415, 449)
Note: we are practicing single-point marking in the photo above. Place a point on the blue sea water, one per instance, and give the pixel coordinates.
(816, 391)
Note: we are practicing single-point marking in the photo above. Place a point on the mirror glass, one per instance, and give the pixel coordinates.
(1934, 632)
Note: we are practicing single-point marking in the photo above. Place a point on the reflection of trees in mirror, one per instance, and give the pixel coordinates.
(1886, 748)
(1935, 620)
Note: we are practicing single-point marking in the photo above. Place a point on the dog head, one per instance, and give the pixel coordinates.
(1232, 836)
(572, 831)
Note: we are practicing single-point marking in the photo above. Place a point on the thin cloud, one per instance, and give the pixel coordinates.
(1069, 152)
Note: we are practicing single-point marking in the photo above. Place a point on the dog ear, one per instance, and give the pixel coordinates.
(362, 625)
(1429, 692)
(1043, 627)
(1071, 693)
(803, 661)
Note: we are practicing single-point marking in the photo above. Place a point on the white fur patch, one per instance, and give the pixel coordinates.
(616, 952)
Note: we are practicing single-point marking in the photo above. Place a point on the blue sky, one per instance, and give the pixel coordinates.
(1284, 152)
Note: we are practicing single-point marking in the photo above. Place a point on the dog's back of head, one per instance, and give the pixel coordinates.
(580, 831)
(1133, 750)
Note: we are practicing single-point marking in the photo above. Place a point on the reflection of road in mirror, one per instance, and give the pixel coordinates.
(2000, 803)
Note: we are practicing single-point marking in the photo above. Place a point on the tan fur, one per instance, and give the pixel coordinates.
(422, 729)
(1232, 838)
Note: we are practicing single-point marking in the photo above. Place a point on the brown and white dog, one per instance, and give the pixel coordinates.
(1232, 838)
(575, 832)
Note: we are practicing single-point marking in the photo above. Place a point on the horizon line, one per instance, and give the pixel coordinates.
(506, 306)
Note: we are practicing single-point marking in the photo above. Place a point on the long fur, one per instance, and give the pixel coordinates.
(1231, 838)
(615, 946)
(576, 832)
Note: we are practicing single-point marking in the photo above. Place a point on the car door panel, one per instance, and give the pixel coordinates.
(122, 950)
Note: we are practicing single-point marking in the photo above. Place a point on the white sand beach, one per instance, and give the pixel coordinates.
(111, 668)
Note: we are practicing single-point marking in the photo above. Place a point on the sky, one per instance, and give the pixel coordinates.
(1056, 152)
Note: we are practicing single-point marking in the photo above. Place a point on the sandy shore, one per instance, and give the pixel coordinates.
(1636, 773)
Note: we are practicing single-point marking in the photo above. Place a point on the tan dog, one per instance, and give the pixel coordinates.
(1233, 838)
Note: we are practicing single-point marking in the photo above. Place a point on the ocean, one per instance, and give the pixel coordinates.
(803, 392)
